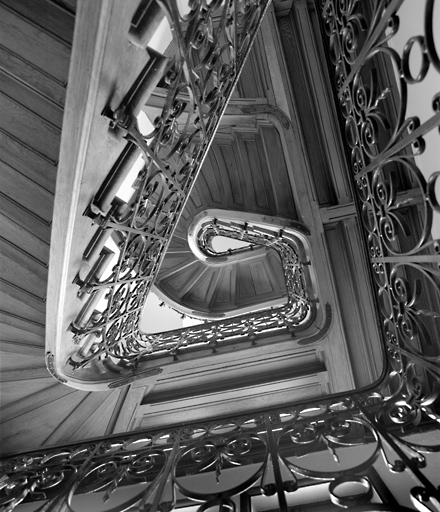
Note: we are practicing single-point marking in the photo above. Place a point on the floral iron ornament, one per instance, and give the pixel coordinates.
(341, 448)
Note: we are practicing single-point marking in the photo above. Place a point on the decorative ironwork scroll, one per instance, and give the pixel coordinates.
(341, 442)
(393, 157)
(209, 47)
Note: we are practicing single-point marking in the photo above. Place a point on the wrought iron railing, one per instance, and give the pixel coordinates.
(393, 157)
(338, 441)
(286, 242)
(297, 312)
(195, 85)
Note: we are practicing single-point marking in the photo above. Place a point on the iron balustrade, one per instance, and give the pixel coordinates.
(298, 312)
(337, 441)
(386, 142)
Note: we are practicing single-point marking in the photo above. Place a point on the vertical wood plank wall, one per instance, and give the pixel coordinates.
(35, 48)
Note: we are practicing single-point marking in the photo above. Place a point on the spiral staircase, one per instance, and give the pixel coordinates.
(234, 180)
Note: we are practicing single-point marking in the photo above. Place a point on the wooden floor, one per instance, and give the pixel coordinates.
(35, 48)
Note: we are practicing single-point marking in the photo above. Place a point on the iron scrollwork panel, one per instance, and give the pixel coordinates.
(376, 62)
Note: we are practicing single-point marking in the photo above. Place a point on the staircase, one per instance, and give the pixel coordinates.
(254, 279)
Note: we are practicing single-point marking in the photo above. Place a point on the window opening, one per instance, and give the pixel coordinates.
(157, 316)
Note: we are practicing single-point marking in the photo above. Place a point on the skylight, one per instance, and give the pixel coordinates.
(157, 316)
(223, 243)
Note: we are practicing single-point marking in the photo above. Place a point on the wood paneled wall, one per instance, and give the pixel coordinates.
(246, 172)
(35, 48)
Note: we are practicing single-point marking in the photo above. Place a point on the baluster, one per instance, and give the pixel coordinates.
(88, 310)
(273, 451)
(102, 202)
